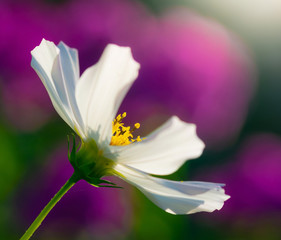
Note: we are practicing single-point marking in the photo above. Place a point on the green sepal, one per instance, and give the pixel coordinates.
(96, 182)
(88, 164)
(110, 186)
(105, 186)
(107, 182)
(72, 153)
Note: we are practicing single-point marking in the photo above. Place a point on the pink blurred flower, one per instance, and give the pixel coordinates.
(22, 26)
(196, 69)
(252, 179)
(191, 66)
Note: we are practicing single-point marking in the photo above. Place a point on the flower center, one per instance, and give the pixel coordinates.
(122, 135)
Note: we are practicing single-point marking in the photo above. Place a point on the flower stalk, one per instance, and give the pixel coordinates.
(37, 222)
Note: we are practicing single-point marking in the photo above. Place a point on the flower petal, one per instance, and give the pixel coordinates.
(176, 197)
(65, 75)
(43, 58)
(69, 62)
(102, 88)
(163, 151)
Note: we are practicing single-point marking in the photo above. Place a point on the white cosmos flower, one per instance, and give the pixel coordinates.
(89, 104)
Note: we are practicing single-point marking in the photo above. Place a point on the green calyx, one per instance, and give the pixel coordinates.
(90, 164)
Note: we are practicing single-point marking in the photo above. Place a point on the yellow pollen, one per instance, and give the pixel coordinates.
(122, 135)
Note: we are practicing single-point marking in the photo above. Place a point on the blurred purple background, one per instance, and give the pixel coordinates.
(192, 66)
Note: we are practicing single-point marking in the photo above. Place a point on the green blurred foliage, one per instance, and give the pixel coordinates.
(10, 164)
(21, 154)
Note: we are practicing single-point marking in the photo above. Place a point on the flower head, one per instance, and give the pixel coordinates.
(89, 104)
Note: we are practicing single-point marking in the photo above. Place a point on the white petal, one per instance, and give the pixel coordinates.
(176, 197)
(163, 151)
(43, 58)
(70, 62)
(65, 75)
(102, 88)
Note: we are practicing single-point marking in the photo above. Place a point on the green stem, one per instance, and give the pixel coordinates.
(37, 222)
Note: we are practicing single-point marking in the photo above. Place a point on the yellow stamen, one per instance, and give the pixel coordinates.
(122, 135)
